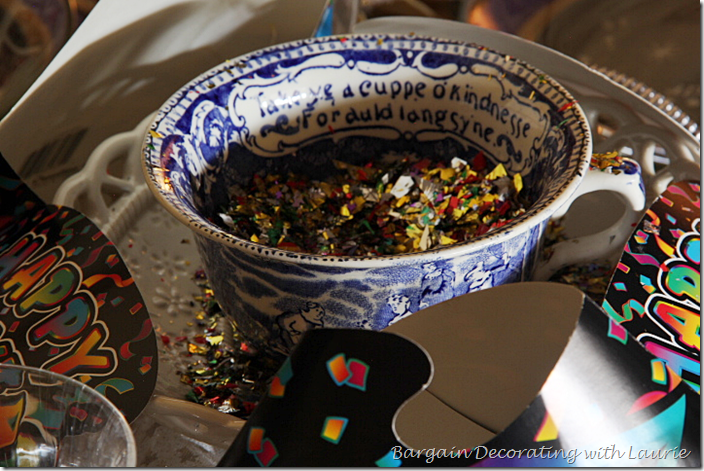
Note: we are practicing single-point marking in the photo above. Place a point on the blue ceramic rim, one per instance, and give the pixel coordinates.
(539, 211)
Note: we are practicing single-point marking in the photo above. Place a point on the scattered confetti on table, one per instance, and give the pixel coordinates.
(592, 278)
(609, 161)
(228, 374)
(397, 204)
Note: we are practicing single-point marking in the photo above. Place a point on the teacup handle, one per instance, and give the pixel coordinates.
(625, 180)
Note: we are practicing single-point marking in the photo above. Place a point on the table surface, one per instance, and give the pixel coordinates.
(172, 432)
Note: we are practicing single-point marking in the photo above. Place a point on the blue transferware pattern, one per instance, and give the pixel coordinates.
(299, 106)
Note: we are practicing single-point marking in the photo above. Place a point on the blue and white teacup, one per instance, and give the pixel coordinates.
(297, 106)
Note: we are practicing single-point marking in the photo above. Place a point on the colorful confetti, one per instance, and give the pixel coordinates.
(591, 278)
(401, 204)
(228, 373)
(610, 162)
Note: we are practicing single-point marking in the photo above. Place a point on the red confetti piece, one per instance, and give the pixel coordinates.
(422, 164)
(485, 207)
(479, 162)
(505, 206)
(482, 229)
(567, 106)
(288, 246)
